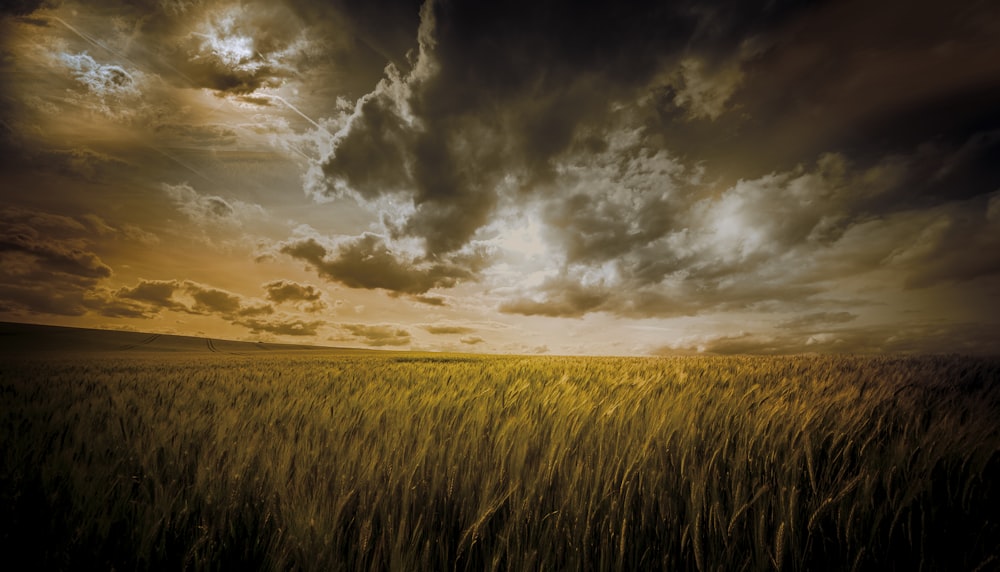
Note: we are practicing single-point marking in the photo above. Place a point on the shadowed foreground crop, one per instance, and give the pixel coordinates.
(423, 462)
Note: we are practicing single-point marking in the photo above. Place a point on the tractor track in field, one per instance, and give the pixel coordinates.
(210, 344)
(144, 342)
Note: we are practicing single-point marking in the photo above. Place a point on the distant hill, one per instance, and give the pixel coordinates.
(28, 339)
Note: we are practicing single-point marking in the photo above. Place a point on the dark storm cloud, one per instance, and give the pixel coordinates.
(212, 300)
(367, 262)
(782, 238)
(960, 245)
(500, 90)
(444, 330)
(48, 265)
(46, 262)
(669, 226)
(429, 300)
(65, 258)
(860, 78)
(536, 130)
(63, 253)
(372, 157)
(378, 335)
(111, 307)
(156, 294)
(148, 297)
(797, 160)
(20, 7)
(57, 242)
(562, 298)
(287, 290)
(43, 298)
(306, 297)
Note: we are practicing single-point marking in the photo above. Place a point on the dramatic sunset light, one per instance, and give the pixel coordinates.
(506, 177)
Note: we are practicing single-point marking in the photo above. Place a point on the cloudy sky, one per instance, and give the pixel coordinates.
(523, 177)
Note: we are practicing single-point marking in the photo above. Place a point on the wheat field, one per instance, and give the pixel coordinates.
(403, 461)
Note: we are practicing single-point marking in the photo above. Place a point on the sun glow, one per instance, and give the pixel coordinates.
(233, 50)
(223, 40)
(524, 239)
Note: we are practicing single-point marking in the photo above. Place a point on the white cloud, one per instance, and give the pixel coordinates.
(114, 90)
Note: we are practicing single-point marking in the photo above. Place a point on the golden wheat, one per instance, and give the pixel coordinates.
(439, 462)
